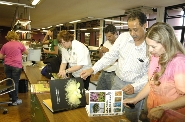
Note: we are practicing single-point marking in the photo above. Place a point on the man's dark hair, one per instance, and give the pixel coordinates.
(110, 28)
(137, 15)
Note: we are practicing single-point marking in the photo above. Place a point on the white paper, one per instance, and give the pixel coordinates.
(34, 54)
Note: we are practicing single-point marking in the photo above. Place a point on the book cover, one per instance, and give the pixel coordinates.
(48, 104)
(66, 94)
(40, 87)
(105, 103)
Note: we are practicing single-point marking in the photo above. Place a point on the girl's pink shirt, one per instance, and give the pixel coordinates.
(13, 53)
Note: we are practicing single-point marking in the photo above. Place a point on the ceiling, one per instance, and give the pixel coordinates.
(53, 12)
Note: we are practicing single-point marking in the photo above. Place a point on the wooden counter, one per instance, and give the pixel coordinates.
(33, 73)
(77, 115)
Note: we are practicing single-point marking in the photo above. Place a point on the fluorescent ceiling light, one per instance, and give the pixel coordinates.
(59, 25)
(95, 28)
(49, 27)
(11, 3)
(120, 25)
(83, 29)
(75, 21)
(44, 30)
(115, 21)
(23, 31)
(34, 2)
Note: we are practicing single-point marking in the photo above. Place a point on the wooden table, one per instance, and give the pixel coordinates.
(33, 73)
(77, 115)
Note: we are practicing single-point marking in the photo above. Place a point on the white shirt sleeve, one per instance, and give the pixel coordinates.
(109, 57)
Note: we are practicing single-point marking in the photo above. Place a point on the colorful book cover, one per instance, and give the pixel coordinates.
(105, 103)
(40, 87)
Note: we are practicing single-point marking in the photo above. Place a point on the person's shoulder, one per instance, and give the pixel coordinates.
(106, 42)
(179, 57)
(178, 61)
(125, 34)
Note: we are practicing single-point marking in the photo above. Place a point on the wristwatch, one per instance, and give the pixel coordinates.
(67, 71)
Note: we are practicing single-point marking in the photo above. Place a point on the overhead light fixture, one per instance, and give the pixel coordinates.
(83, 29)
(49, 27)
(75, 21)
(35, 2)
(5, 3)
(59, 25)
(115, 21)
(95, 28)
(71, 30)
(11, 3)
(45, 31)
(23, 22)
(117, 26)
(23, 31)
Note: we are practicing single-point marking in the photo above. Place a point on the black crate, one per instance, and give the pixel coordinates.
(23, 86)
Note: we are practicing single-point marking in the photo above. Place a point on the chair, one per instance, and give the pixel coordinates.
(5, 89)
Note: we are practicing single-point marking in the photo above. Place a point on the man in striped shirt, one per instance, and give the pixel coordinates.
(131, 73)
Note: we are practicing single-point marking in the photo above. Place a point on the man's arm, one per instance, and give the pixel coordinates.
(103, 50)
(111, 56)
(138, 85)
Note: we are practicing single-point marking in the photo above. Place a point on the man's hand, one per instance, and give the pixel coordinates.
(103, 50)
(85, 73)
(128, 89)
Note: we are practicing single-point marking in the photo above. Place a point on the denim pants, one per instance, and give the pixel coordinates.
(13, 73)
(105, 80)
(131, 114)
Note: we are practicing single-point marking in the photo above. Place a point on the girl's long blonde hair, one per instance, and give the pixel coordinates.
(163, 33)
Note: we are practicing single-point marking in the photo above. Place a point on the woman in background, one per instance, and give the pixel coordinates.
(76, 54)
(12, 52)
(166, 84)
(52, 42)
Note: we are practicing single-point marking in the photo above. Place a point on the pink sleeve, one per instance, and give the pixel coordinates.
(179, 74)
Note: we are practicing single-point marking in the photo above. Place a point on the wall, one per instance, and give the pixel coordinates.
(38, 35)
(3, 33)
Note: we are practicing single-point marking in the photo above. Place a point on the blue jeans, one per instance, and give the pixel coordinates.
(131, 114)
(105, 80)
(13, 73)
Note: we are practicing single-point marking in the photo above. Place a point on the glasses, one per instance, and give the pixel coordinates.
(62, 42)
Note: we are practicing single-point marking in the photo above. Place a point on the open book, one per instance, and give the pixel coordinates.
(40, 87)
(105, 103)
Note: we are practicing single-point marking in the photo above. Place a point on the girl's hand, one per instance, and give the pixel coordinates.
(156, 113)
(129, 100)
(62, 74)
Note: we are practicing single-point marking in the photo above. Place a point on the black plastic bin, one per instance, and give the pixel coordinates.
(23, 86)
